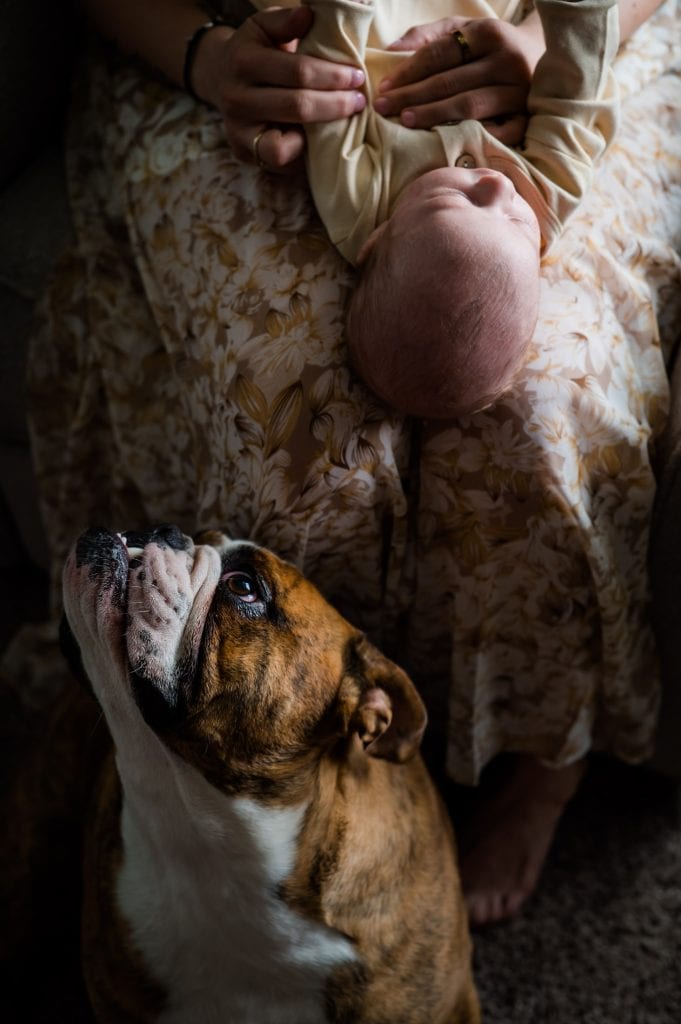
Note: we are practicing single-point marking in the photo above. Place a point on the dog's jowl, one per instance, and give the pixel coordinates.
(264, 844)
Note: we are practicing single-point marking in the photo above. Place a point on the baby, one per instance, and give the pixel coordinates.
(447, 226)
(447, 299)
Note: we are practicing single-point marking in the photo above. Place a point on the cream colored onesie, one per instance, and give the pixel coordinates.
(358, 166)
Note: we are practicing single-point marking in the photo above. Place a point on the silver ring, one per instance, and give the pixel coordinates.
(254, 148)
(460, 38)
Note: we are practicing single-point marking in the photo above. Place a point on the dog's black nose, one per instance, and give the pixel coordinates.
(166, 536)
(105, 555)
(98, 546)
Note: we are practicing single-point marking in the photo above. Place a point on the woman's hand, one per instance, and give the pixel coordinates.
(265, 91)
(436, 85)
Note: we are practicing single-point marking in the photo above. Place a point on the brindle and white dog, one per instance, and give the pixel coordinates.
(263, 843)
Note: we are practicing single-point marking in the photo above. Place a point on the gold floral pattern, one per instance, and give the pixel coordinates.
(189, 366)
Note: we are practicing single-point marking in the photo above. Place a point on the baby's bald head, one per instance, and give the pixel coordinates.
(445, 306)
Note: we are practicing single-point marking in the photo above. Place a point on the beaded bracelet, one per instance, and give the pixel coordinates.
(190, 53)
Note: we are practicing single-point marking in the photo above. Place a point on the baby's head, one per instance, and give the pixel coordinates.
(447, 298)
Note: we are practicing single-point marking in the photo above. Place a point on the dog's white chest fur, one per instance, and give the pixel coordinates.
(199, 889)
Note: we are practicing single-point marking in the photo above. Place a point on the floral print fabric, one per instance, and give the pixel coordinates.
(189, 366)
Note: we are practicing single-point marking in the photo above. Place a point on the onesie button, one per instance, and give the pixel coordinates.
(465, 160)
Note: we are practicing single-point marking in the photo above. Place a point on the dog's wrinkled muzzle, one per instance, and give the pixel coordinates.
(142, 597)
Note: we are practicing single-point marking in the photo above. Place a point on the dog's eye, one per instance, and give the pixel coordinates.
(242, 586)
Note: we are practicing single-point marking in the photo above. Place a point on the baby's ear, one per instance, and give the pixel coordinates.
(368, 246)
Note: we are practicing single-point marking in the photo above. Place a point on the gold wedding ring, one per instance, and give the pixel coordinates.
(460, 38)
(254, 147)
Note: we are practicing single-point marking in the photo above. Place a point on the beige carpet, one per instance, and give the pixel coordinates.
(600, 942)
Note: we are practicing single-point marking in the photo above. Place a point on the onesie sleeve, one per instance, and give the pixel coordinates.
(358, 166)
(572, 103)
(346, 169)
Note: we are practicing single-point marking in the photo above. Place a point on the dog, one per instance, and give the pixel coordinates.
(262, 843)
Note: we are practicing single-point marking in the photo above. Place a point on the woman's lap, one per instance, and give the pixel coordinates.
(195, 338)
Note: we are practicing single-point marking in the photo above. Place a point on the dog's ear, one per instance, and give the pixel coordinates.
(379, 703)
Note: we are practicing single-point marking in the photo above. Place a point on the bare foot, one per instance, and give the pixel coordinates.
(511, 837)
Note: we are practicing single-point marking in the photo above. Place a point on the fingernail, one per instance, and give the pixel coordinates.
(384, 85)
(408, 118)
(357, 78)
(381, 105)
(360, 101)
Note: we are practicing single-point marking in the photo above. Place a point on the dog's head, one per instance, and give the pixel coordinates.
(231, 657)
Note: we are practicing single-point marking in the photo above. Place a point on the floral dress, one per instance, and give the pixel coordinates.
(189, 365)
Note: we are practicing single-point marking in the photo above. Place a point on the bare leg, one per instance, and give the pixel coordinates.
(511, 838)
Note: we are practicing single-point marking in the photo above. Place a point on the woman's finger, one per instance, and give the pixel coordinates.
(255, 65)
(479, 105)
(442, 54)
(464, 78)
(274, 150)
(472, 89)
(292, 106)
(261, 58)
(505, 51)
(270, 147)
(280, 25)
(421, 35)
